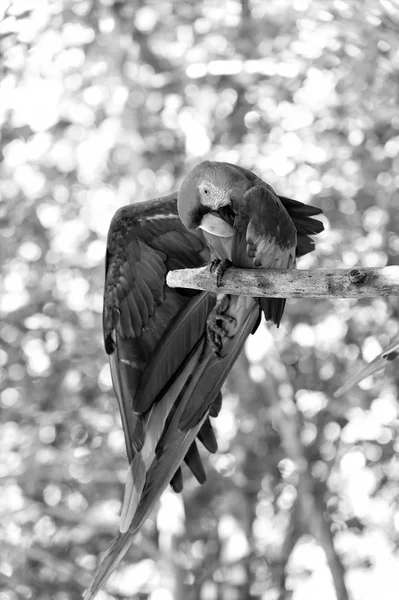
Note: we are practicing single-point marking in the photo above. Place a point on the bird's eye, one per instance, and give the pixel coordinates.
(205, 190)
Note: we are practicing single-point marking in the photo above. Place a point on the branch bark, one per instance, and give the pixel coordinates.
(318, 283)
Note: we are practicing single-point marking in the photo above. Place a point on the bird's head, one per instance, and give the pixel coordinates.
(206, 197)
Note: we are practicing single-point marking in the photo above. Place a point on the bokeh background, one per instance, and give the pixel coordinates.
(107, 102)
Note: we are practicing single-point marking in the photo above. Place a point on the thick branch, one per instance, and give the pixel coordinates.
(318, 283)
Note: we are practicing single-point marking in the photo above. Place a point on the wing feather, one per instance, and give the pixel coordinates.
(178, 341)
(265, 246)
(302, 216)
(267, 238)
(144, 302)
(300, 213)
(207, 437)
(194, 462)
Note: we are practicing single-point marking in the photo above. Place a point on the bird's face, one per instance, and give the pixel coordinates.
(207, 195)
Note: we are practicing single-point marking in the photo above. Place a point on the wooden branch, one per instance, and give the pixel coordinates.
(318, 283)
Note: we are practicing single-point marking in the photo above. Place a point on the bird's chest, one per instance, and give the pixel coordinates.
(221, 247)
(234, 248)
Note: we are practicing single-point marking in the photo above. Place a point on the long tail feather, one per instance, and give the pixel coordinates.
(166, 468)
(129, 421)
(138, 468)
(200, 389)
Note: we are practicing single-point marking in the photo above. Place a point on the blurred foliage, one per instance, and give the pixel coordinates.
(106, 102)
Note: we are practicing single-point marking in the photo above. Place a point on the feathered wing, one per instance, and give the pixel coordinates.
(143, 319)
(300, 213)
(270, 237)
(273, 231)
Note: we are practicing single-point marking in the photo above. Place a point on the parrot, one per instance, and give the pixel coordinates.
(170, 350)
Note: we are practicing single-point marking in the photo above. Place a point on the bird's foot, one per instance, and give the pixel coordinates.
(217, 325)
(218, 267)
(213, 264)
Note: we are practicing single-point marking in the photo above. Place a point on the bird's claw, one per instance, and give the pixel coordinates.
(216, 325)
(219, 267)
(213, 264)
(216, 335)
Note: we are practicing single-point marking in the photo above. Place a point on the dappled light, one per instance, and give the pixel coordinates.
(104, 103)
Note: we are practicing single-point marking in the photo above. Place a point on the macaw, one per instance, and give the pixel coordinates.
(170, 350)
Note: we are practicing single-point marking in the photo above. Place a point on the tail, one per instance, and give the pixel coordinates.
(172, 425)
